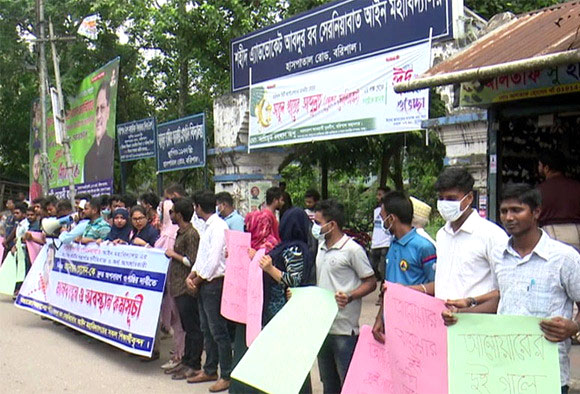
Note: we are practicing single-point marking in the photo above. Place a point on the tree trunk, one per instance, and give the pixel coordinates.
(385, 159)
(398, 166)
(324, 177)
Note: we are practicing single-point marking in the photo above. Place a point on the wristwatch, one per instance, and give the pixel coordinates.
(577, 335)
(471, 301)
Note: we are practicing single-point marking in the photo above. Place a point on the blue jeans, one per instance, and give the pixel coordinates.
(333, 361)
(217, 341)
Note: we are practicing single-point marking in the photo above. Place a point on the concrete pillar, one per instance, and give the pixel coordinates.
(235, 170)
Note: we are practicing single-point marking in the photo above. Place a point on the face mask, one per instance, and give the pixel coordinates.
(387, 230)
(450, 210)
(317, 231)
(106, 212)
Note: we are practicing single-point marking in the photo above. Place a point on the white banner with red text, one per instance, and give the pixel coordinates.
(110, 292)
(348, 100)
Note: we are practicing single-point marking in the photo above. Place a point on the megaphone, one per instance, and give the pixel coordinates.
(51, 226)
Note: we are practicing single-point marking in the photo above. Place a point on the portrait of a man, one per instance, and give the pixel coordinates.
(99, 159)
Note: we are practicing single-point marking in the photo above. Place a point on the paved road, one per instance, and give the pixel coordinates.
(37, 356)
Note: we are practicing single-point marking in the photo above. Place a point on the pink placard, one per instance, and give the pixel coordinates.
(255, 298)
(234, 294)
(370, 368)
(416, 339)
(32, 247)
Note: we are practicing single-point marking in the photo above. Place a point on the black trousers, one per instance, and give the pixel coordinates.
(189, 315)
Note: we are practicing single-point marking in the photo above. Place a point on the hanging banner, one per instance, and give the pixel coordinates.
(337, 32)
(523, 85)
(90, 126)
(314, 107)
(110, 292)
(181, 144)
(137, 139)
(501, 354)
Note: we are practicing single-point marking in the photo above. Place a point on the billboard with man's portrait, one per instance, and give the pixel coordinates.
(90, 126)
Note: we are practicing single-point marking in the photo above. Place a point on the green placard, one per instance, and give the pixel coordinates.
(501, 354)
(282, 355)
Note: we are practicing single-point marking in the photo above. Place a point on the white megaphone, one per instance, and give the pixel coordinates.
(51, 226)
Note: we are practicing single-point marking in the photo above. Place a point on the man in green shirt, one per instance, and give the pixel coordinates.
(97, 228)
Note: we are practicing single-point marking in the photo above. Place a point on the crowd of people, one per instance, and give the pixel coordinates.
(474, 264)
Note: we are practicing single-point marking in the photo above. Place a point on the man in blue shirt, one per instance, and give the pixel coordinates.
(411, 258)
(225, 209)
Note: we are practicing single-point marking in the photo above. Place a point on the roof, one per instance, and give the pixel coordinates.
(542, 32)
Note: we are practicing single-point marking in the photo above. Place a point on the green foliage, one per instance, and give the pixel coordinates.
(489, 8)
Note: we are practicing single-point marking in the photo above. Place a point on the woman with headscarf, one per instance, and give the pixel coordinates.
(143, 234)
(121, 228)
(289, 264)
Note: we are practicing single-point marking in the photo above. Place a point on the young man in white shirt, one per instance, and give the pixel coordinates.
(206, 282)
(381, 239)
(342, 267)
(465, 243)
(535, 276)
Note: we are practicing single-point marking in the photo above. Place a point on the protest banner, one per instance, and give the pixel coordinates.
(110, 292)
(313, 107)
(501, 354)
(32, 247)
(90, 126)
(255, 296)
(416, 340)
(337, 32)
(234, 293)
(303, 323)
(181, 143)
(370, 368)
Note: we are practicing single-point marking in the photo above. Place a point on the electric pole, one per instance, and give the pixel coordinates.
(61, 115)
(43, 84)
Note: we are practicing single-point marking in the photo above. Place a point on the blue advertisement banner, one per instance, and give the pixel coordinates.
(181, 144)
(342, 31)
(136, 139)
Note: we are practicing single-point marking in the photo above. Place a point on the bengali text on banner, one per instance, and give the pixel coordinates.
(112, 293)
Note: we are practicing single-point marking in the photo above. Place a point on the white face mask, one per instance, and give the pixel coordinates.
(387, 230)
(450, 210)
(317, 231)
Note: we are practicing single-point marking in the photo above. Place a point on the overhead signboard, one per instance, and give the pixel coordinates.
(523, 85)
(341, 31)
(181, 144)
(137, 139)
(313, 106)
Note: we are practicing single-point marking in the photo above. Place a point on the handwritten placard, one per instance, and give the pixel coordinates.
(370, 367)
(501, 354)
(291, 341)
(416, 339)
(32, 247)
(234, 294)
(255, 298)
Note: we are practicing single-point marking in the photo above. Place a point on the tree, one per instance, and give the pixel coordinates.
(489, 8)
